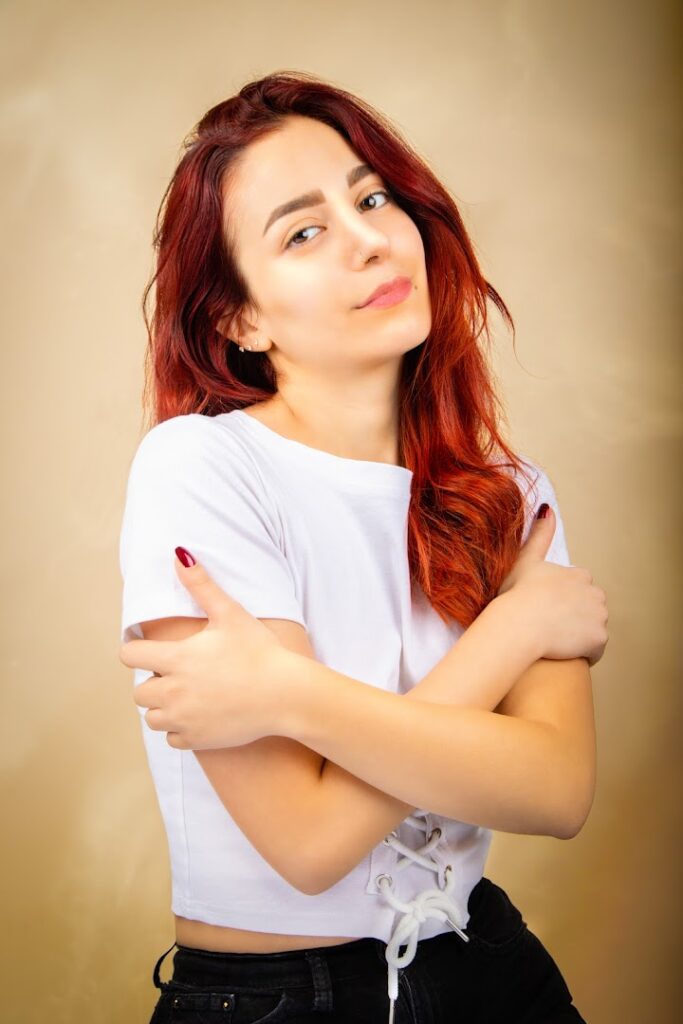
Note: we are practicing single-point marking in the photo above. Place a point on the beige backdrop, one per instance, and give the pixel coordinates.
(557, 127)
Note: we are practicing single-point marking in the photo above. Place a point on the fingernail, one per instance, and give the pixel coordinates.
(543, 510)
(185, 557)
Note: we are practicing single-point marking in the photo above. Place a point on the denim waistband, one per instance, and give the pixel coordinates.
(296, 968)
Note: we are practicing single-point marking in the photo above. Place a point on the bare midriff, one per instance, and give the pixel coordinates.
(218, 939)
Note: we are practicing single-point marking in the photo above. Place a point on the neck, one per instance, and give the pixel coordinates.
(358, 425)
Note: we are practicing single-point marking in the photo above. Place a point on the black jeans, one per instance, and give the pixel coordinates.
(503, 975)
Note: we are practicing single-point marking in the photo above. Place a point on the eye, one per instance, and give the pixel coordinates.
(290, 244)
(377, 192)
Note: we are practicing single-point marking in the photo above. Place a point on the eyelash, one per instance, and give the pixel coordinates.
(377, 191)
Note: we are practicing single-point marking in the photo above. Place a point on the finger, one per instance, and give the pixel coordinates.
(156, 719)
(156, 655)
(203, 588)
(540, 535)
(149, 694)
(219, 606)
(174, 739)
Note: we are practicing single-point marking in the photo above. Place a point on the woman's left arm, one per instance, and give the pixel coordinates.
(533, 760)
(530, 773)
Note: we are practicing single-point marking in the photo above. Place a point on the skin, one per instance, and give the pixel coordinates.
(533, 772)
(338, 365)
(337, 391)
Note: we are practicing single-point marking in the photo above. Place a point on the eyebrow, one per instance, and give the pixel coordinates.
(314, 198)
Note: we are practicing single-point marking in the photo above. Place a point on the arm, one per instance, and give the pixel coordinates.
(532, 774)
(557, 693)
(290, 803)
(477, 672)
(282, 776)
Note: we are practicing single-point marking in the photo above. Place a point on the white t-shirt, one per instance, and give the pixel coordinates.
(297, 533)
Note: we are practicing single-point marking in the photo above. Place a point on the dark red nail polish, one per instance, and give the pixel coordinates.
(543, 511)
(185, 557)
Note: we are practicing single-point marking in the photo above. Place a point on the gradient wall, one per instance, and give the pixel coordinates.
(557, 126)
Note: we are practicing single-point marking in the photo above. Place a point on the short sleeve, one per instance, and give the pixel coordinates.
(192, 483)
(543, 490)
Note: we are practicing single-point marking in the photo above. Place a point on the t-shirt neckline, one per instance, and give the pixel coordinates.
(357, 473)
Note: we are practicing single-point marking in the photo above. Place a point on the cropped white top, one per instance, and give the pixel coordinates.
(297, 533)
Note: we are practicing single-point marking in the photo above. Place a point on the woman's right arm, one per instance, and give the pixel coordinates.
(312, 819)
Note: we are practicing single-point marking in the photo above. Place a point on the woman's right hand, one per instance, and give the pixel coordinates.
(562, 602)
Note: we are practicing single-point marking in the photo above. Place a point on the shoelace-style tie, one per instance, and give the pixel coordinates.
(434, 903)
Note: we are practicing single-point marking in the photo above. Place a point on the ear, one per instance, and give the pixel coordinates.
(241, 328)
(231, 326)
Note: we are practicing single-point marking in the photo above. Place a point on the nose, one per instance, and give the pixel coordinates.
(363, 239)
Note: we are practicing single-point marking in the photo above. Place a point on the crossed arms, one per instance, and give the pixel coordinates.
(493, 735)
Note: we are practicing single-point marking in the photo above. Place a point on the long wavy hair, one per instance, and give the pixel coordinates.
(467, 512)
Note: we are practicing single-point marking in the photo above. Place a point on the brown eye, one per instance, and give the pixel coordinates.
(377, 192)
(296, 235)
(291, 244)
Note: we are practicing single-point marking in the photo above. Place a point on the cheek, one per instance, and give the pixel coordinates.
(411, 241)
(303, 295)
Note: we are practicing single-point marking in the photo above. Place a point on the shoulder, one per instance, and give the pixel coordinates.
(193, 444)
(193, 465)
(188, 432)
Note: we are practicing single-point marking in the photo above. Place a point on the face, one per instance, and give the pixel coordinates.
(310, 268)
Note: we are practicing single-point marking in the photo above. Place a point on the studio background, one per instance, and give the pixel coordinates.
(557, 128)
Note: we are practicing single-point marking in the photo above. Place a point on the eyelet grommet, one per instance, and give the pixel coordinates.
(176, 1001)
(437, 829)
(393, 833)
(377, 879)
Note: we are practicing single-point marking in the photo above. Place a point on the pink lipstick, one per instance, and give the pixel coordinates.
(388, 294)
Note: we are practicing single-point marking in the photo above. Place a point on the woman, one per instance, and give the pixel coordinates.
(325, 444)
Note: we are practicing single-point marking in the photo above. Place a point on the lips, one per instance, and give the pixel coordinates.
(397, 285)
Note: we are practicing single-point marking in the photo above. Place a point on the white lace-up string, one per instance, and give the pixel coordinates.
(435, 902)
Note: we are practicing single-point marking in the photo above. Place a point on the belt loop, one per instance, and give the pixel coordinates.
(322, 982)
(155, 977)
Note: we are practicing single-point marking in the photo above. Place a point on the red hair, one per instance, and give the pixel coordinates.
(467, 512)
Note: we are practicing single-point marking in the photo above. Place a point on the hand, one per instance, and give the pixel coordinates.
(218, 687)
(562, 602)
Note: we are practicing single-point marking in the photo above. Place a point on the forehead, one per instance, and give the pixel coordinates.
(302, 155)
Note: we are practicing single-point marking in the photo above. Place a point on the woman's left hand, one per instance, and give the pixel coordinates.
(218, 687)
